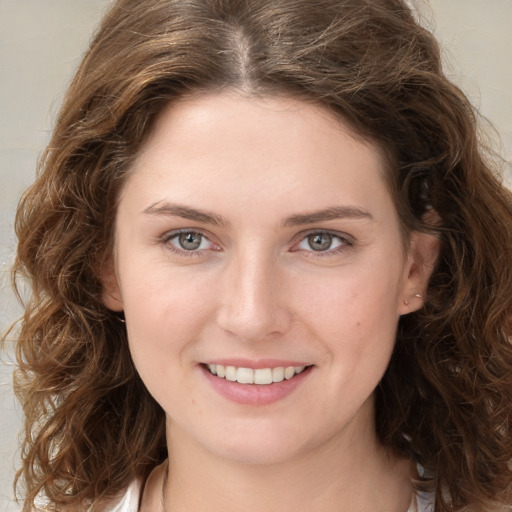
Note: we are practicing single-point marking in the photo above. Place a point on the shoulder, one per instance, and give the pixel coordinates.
(127, 501)
(140, 494)
(423, 503)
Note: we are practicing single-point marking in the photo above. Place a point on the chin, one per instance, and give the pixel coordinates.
(263, 454)
(261, 444)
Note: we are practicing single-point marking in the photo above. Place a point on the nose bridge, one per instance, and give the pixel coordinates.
(250, 306)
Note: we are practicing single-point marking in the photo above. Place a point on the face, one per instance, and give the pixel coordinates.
(261, 268)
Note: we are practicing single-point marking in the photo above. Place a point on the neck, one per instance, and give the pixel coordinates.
(341, 475)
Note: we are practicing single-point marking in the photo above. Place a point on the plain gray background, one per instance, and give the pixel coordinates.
(41, 42)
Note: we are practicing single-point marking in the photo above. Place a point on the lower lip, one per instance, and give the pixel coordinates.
(255, 394)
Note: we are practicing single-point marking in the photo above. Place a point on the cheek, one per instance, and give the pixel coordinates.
(355, 317)
(356, 324)
(164, 312)
(164, 318)
(357, 301)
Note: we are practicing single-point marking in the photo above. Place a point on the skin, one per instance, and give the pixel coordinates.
(256, 289)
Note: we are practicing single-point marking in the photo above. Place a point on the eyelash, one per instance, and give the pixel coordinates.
(345, 242)
(168, 237)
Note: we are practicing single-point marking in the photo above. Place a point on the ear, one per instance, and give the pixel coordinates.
(423, 253)
(111, 295)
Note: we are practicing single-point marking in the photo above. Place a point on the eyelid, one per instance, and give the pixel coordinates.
(169, 235)
(347, 241)
(313, 231)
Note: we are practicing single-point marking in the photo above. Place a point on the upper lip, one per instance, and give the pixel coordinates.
(256, 364)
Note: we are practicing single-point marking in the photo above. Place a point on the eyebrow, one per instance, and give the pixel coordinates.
(185, 212)
(332, 213)
(206, 217)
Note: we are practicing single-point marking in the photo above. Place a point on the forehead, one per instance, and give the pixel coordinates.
(201, 113)
(255, 149)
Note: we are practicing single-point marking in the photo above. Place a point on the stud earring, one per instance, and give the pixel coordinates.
(120, 317)
(418, 295)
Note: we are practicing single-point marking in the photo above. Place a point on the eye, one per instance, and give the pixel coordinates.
(323, 241)
(188, 241)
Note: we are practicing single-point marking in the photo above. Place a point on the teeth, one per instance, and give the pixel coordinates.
(261, 376)
(278, 374)
(245, 376)
(289, 372)
(231, 373)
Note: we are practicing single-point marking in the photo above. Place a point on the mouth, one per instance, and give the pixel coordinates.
(260, 376)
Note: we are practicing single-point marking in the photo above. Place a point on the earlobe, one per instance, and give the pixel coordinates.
(111, 295)
(423, 254)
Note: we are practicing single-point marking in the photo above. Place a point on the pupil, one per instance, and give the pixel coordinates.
(320, 242)
(190, 241)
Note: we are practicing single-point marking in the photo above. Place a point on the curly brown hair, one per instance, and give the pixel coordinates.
(446, 398)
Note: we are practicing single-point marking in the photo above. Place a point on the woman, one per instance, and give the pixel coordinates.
(264, 242)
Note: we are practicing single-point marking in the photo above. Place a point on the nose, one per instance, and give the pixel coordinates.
(253, 301)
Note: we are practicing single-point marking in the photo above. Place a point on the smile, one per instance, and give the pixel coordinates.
(260, 376)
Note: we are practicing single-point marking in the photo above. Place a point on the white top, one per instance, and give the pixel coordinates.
(129, 501)
(422, 503)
